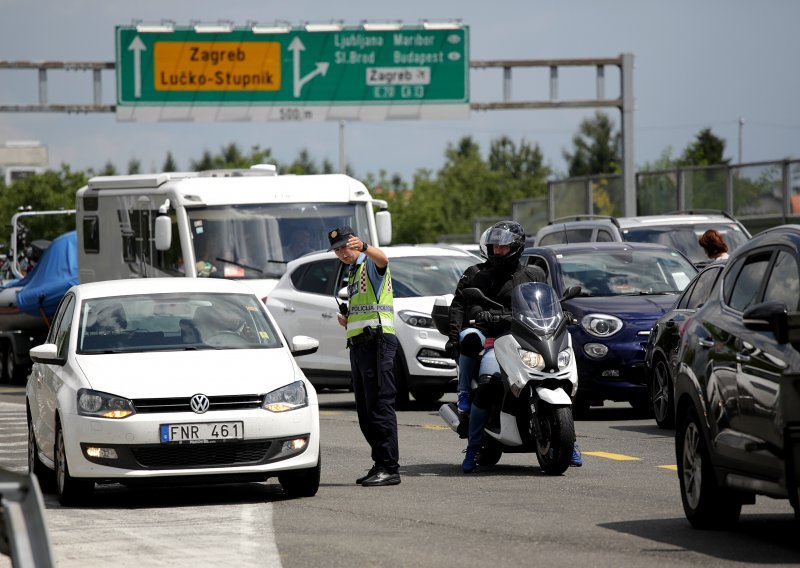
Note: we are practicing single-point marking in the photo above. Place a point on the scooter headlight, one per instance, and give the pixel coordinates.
(564, 358)
(531, 359)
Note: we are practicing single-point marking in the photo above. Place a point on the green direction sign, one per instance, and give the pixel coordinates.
(296, 74)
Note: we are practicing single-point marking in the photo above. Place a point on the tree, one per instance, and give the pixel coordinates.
(467, 187)
(706, 150)
(597, 148)
(48, 191)
(169, 164)
(134, 166)
(232, 157)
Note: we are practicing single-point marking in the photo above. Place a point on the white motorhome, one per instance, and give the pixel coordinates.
(223, 223)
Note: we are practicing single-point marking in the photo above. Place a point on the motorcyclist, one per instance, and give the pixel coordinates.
(471, 344)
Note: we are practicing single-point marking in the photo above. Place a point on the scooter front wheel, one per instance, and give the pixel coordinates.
(554, 445)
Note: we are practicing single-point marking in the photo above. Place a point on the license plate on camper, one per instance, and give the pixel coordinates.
(201, 432)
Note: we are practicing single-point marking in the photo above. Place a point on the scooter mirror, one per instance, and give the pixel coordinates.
(571, 292)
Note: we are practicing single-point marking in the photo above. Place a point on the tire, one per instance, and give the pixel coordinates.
(661, 395)
(554, 447)
(5, 376)
(302, 482)
(580, 408)
(427, 396)
(642, 406)
(70, 490)
(491, 453)
(705, 504)
(35, 466)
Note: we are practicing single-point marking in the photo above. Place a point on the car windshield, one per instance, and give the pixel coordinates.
(626, 272)
(186, 321)
(685, 238)
(256, 241)
(416, 276)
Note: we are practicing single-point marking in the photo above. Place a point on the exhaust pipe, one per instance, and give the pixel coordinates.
(449, 414)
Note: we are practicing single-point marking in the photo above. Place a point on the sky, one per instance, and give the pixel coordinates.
(697, 64)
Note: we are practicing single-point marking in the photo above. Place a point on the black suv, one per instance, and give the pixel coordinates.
(737, 389)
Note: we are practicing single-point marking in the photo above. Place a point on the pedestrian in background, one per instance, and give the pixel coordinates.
(714, 244)
(369, 321)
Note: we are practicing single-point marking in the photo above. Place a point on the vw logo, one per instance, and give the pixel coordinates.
(199, 403)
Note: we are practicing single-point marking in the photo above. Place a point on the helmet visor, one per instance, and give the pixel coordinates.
(500, 236)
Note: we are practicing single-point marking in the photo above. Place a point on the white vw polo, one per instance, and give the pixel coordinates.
(179, 379)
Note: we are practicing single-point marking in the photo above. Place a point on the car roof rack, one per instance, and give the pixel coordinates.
(585, 217)
(704, 212)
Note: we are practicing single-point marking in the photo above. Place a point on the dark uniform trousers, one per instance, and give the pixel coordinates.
(375, 398)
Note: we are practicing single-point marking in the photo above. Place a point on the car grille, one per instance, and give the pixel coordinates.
(181, 404)
(201, 455)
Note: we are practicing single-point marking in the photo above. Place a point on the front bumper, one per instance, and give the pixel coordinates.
(265, 448)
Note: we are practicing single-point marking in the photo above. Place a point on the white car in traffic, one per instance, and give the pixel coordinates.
(178, 379)
(306, 301)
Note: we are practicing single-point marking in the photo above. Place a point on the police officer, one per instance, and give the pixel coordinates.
(369, 321)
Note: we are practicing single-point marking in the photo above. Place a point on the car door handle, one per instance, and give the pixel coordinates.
(742, 358)
(327, 315)
(288, 308)
(705, 343)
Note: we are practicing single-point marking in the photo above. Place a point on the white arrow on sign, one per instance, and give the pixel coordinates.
(137, 47)
(296, 46)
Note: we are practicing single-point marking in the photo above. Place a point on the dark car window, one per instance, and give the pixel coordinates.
(783, 284)
(64, 325)
(702, 288)
(743, 285)
(416, 276)
(604, 236)
(317, 277)
(552, 239)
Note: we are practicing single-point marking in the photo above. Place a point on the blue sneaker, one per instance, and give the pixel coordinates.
(470, 460)
(576, 460)
(463, 402)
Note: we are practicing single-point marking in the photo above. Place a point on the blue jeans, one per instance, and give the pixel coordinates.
(478, 416)
(468, 365)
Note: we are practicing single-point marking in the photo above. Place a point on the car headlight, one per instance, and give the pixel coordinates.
(290, 397)
(531, 359)
(564, 358)
(601, 325)
(103, 405)
(416, 319)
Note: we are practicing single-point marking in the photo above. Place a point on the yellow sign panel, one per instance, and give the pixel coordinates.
(217, 66)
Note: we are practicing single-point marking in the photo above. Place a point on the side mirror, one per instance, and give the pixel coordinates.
(47, 353)
(303, 345)
(571, 292)
(769, 316)
(163, 232)
(383, 221)
(342, 294)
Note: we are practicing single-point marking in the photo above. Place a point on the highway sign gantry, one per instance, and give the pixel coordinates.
(350, 73)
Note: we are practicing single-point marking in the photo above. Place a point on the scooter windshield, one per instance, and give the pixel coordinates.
(536, 306)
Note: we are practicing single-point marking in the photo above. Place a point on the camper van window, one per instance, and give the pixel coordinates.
(252, 241)
(91, 235)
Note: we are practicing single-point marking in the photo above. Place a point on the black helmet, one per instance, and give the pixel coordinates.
(508, 233)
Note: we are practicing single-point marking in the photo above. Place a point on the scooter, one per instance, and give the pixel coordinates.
(539, 379)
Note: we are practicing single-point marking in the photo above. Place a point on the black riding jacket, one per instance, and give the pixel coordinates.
(496, 283)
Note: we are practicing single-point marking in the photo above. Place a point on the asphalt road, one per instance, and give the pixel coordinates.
(621, 509)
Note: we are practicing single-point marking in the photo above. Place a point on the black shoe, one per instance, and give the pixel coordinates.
(382, 478)
(372, 471)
